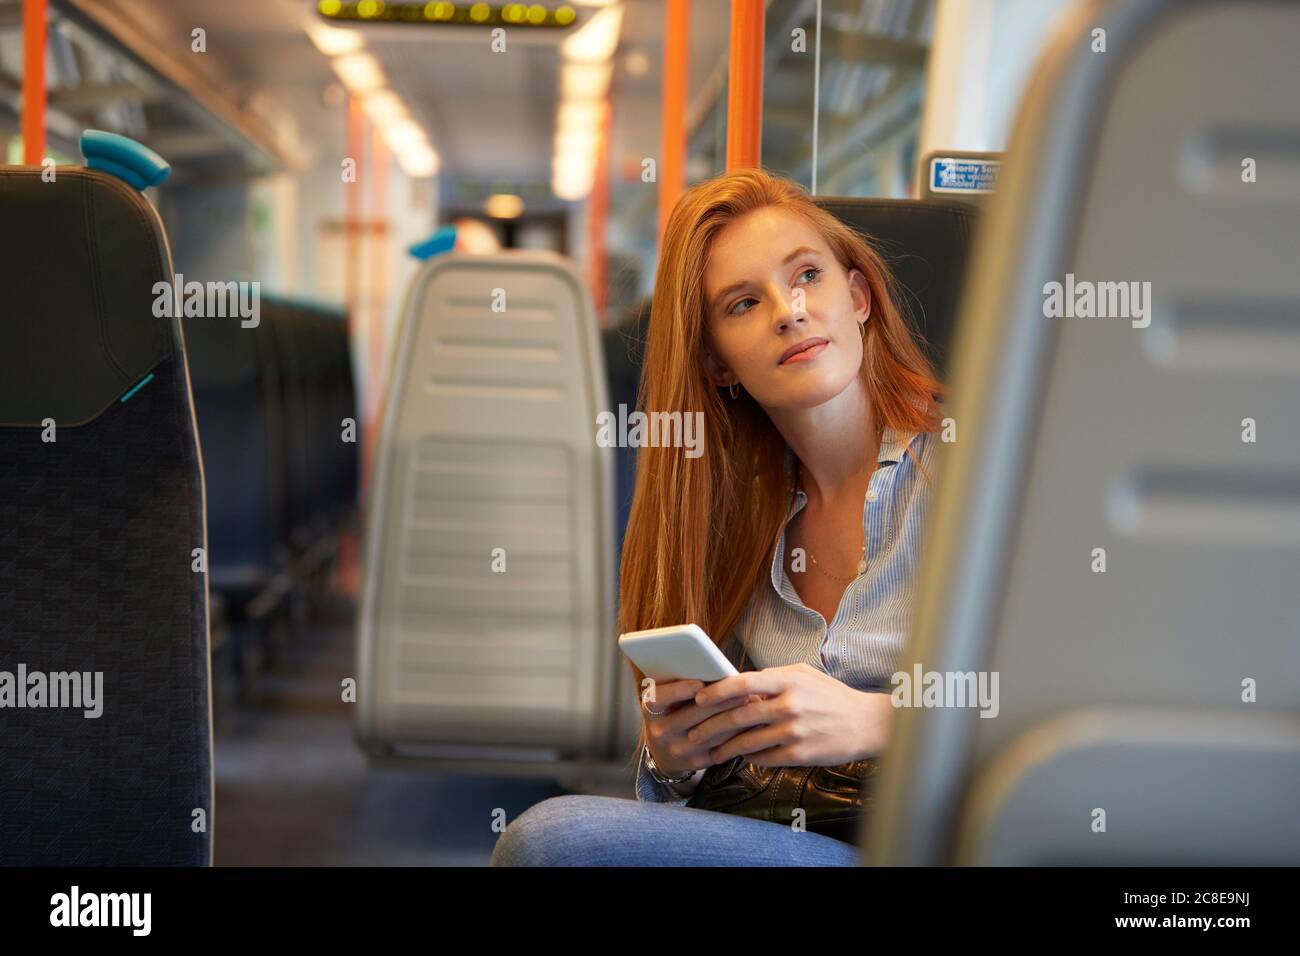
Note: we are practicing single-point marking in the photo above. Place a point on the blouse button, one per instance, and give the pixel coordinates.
(871, 495)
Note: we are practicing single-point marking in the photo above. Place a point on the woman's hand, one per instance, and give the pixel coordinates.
(677, 713)
(805, 718)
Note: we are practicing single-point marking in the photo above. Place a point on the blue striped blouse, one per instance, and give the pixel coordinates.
(861, 646)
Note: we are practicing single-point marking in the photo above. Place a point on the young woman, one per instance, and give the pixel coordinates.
(791, 540)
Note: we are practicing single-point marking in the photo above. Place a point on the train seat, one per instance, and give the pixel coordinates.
(1112, 537)
(101, 522)
(927, 244)
(344, 457)
(235, 405)
(293, 349)
(487, 616)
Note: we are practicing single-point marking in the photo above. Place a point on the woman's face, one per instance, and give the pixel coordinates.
(782, 315)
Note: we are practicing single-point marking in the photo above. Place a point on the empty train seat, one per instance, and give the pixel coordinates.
(333, 460)
(1117, 532)
(344, 465)
(106, 757)
(487, 613)
(271, 401)
(301, 419)
(236, 399)
(315, 392)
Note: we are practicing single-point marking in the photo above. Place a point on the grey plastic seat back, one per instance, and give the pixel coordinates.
(487, 622)
(1148, 713)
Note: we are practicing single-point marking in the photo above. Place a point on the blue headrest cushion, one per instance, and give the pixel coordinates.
(132, 162)
(441, 241)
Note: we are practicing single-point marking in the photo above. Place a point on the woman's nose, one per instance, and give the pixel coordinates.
(789, 310)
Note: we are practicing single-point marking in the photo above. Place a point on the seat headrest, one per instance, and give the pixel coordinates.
(79, 258)
(927, 244)
(129, 161)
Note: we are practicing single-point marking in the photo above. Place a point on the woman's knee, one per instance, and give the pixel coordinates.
(543, 835)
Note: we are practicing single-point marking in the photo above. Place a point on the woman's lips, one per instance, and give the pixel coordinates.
(807, 351)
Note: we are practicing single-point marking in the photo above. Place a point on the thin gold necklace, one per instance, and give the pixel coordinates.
(862, 559)
(862, 566)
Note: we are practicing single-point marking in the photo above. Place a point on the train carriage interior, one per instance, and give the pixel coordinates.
(329, 332)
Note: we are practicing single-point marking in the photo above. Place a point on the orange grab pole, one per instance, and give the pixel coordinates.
(33, 82)
(354, 145)
(597, 213)
(672, 132)
(745, 85)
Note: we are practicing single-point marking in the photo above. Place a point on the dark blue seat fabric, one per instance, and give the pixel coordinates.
(343, 458)
(927, 244)
(235, 398)
(624, 349)
(97, 533)
(325, 435)
(297, 401)
(317, 393)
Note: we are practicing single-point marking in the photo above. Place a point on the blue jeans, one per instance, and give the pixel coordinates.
(579, 830)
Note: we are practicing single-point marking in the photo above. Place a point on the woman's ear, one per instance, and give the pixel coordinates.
(860, 290)
(717, 372)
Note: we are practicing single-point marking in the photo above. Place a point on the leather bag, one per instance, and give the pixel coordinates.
(833, 798)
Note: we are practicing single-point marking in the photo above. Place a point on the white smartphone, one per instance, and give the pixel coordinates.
(680, 652)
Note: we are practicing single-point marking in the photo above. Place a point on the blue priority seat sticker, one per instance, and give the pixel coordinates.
(957, 174)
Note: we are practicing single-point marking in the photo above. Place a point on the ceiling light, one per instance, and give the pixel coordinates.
(503, 206)
(576, 141)
(419, 162)
(359, 72)
(572, 183)
(331, 40)
(597, 39)
(384, 107)
(580, 117)
(403, 134)
(584, 80)
(636, 63)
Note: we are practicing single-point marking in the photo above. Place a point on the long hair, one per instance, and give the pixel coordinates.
(702, 531)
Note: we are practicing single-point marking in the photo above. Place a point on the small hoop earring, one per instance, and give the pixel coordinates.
(864, 331)
(733, 389)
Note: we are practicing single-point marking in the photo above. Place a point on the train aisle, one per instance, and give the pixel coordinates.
(292, 788)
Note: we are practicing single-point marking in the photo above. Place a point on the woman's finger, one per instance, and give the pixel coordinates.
(769, 682)
(750, 742)
(662, 697)
(726, 724)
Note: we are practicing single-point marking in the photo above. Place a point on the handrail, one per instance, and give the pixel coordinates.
(745, 85)
(34, 31)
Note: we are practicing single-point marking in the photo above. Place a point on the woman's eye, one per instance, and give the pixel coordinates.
(816, 273)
